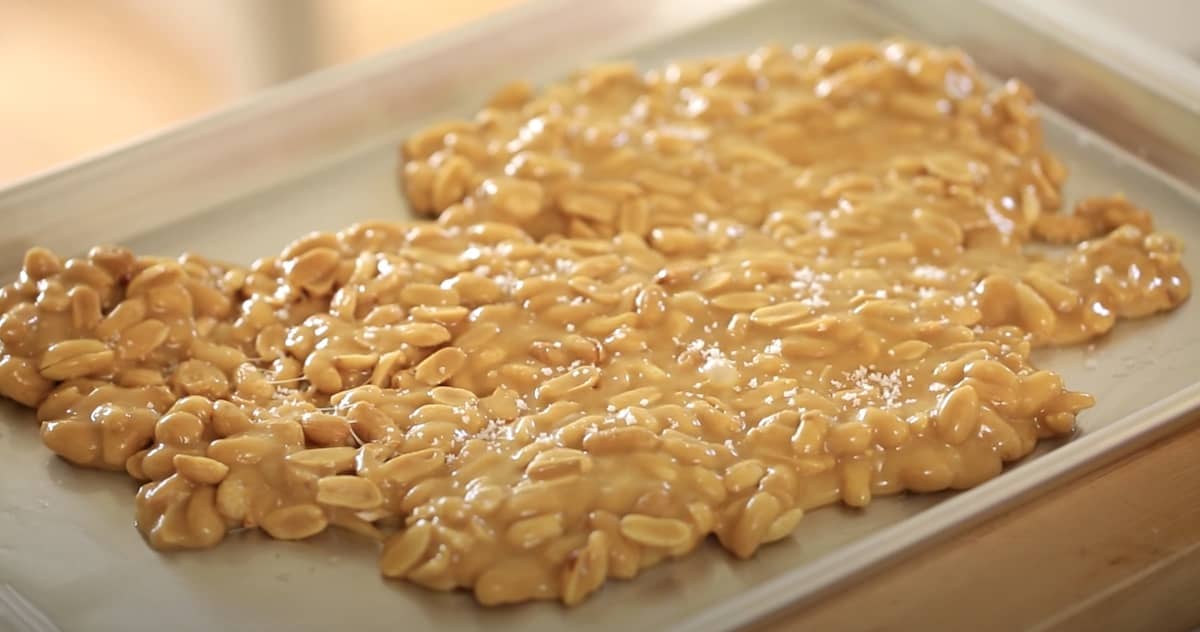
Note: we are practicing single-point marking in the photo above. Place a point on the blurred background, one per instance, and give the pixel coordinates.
(82, 75)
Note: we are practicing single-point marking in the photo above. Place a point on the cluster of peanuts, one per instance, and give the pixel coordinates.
(654, 306)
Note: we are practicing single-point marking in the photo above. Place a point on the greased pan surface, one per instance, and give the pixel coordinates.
(319, 155)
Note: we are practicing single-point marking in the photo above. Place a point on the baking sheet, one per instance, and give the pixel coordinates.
(320, 154)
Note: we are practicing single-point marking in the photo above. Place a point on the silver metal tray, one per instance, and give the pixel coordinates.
(319, 154)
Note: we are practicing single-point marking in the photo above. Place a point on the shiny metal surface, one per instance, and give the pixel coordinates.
(319, 153)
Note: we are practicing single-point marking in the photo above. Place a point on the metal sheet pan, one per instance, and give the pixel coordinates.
(319, 154)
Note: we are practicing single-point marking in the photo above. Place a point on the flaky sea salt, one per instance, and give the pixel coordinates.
(866, 385)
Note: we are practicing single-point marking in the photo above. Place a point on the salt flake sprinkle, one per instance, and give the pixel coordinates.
(494, 431)
(865, 385)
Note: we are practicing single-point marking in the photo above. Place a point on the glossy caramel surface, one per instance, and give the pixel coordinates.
(654, 306)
